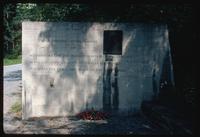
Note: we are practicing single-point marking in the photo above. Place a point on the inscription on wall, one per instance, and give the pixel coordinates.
(64, 65)
(63, 48)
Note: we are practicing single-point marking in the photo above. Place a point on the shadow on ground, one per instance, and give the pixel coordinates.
(119, 125)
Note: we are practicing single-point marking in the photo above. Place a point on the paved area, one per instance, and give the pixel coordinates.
(13, 124)
(11, 68)
(12, 92)
(11, 85)
(72, 125)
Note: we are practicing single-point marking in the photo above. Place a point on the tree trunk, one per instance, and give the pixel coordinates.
(13, 46)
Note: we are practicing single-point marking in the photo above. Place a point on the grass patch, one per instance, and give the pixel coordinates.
(7, 61)
(16, 107)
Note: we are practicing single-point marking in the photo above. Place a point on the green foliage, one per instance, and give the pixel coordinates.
(9, 26)
(15, 14)
(16, 107)
(11, 60)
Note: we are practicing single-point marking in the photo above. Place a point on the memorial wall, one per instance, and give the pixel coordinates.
(69, 67)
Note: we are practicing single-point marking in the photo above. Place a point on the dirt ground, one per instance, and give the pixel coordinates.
(13, 123)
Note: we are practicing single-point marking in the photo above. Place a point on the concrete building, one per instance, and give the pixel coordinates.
(72, 66)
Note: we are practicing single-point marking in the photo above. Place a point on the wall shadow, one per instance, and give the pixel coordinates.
(166, 83)
(74, 88)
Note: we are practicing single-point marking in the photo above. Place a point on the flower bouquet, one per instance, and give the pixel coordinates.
(92, 115)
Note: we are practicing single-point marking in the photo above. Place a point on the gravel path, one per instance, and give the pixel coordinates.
(11, 85)
(11, 68)
(72, 125)
(12, 93)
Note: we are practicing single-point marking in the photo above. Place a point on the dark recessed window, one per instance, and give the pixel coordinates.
(112, 42)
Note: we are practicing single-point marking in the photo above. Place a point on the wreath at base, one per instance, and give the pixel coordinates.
(93, 115)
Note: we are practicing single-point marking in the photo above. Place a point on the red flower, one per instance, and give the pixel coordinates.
(92, 115)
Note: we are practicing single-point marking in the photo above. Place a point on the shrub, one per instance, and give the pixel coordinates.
(16, 107)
